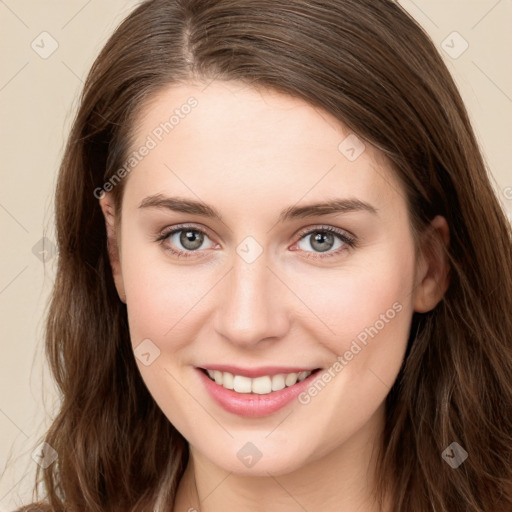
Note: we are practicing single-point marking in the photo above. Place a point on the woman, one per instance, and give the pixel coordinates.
(210, 355)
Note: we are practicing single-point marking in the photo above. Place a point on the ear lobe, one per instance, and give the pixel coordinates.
(108, 209)
(433, 270)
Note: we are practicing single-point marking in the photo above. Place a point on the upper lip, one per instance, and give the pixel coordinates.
(260, 371)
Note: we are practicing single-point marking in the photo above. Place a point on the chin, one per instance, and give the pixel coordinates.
(248, 459)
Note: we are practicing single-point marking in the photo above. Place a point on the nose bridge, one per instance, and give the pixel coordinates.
(251, 307)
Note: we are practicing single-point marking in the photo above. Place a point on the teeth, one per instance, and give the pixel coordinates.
(278, 382)
(259, 385)
(262, 385)
(228, 380)
(303, 375)
(241, 384)
(291, 379)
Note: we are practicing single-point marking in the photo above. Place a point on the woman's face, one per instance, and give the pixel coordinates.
(264, 288)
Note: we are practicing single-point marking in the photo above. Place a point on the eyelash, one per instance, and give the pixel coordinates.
(347, 239)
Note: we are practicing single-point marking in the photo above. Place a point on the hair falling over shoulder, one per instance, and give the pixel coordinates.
(368, 63)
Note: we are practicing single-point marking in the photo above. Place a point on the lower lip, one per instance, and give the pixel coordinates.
(251, 404)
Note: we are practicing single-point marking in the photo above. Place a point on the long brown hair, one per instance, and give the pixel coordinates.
(368, 63)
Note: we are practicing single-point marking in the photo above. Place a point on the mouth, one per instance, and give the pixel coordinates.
(262, 384)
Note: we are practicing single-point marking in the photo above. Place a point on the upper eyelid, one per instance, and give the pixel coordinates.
(331, 229)
(164, 233)
(180, 227)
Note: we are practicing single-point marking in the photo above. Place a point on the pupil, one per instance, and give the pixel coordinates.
(191, 240)
(321, 239)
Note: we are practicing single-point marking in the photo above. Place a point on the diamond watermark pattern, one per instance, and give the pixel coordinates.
(249, 249)
(44, 249)
(351, 147)
(455, 455)
(249, 455)
(146, 352)
(454, 45)
(44, 45)
(44, 455)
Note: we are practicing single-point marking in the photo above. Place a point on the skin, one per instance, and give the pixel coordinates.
(250, 153)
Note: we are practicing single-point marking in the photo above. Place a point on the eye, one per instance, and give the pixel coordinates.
(325, 238)
(187, 239)
(183, 241)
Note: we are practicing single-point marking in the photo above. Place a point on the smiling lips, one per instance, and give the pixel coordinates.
(260, 381)
(255, 392)
(259, 385)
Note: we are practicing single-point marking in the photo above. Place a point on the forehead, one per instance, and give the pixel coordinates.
(226, 140)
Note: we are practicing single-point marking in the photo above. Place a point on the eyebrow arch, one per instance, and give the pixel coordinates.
(326, 208)
(193, 207)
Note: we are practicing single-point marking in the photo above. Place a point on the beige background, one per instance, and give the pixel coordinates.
(38, 97)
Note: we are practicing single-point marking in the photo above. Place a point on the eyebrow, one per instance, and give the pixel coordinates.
(193, 207)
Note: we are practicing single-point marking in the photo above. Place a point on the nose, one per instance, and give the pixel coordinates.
(253, 304)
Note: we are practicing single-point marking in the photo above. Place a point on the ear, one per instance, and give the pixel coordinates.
(433, 268)
(108, 209)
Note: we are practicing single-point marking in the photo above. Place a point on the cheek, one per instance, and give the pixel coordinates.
(161, 296)
(159, 291)
(370, 313)
(370, 291)
(368, 308)
(161, 301)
